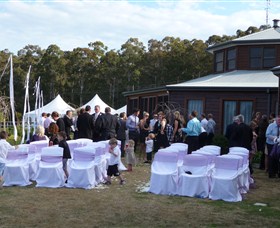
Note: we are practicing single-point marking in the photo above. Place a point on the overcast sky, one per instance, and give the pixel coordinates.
(75, 23)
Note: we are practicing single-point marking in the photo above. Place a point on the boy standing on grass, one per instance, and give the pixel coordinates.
(115, 155)
(61, 136)
(149, 147)
(4, 147)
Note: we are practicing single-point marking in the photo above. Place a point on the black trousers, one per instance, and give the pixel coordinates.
(193, 143)
(273, 164)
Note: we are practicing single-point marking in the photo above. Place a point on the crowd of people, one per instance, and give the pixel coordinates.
(260, 135)
(153, 133)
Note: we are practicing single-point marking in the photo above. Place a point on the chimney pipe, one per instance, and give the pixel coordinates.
(275, 23)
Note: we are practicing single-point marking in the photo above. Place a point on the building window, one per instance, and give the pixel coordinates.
(161, 102)
(231, 59)
(262, 57)
(219, 62)
(233, 108)
(195, 105)
(133, 103)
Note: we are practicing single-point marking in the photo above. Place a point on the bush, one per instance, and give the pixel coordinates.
(221, 141)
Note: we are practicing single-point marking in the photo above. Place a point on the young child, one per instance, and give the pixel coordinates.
(4, 147)
(115, 155)
(61, 136)
(129, 155)
(149, 147)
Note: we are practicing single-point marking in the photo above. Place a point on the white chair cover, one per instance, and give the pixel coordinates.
(239, 149)
(84, 141)
(37, 147)
(195, 184)
(245, 184)
(16, 170)
(173, 150)
(164, 174)
(225, 180)
(100, 163)
(81, 172)
(183, 150)
(50, 173)
(74, 144)
(211, 158)
(216, 150)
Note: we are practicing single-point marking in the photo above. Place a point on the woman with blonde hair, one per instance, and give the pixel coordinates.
(177, 134)
(39, 134)
(144, 131)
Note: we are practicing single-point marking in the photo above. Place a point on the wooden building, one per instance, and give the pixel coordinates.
(242, 82)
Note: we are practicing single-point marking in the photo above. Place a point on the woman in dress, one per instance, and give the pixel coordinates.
(160, 131)
(177, 134)
(144, 131)
(39, 134)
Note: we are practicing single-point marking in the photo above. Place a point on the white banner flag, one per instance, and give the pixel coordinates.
(12, 98)
(26, 101)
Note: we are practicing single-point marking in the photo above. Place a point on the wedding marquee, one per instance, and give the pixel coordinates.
(57, 104)
(96, 100)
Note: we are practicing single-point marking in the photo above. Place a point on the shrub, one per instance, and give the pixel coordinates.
(221, 141)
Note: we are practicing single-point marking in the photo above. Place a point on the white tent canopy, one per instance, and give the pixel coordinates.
(96, 100)
(57, 104)
(122, 109)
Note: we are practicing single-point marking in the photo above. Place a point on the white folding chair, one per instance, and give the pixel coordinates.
(164, 174)
(245, 171)
(81, 172)
(173, 150)
(225, 180)
(100, 163)
(194, 177)
(16, 170)
(183, 150)
(50, 173)
(211, 158)
(238, 149)
(84, 141)
(74, 144)
(216, 150)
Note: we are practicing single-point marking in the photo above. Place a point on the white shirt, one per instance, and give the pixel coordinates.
(149, 145)
(204, 123)
(152, 124)
(115, 159)
(4, 147)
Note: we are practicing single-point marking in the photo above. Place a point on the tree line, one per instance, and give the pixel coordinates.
(79, 74)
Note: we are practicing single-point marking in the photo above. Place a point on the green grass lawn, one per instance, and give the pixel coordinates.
(126, 206)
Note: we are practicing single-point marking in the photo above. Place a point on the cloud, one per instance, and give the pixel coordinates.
(71, 24)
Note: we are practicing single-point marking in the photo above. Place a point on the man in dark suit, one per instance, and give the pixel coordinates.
(85, 124)
(68, 122)
(231, 132)
(121, 133)
(97, 124)
(110, 125)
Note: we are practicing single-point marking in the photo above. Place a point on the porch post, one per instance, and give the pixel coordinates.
(276, 72)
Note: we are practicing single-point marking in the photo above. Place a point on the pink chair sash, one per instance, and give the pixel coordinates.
(51, 159)
(13, 155)
(190, 160)
(166, 157)
(223, 162)
(82, 156)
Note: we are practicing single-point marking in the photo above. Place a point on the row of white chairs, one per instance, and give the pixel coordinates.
(43, 164)
(202, 174)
